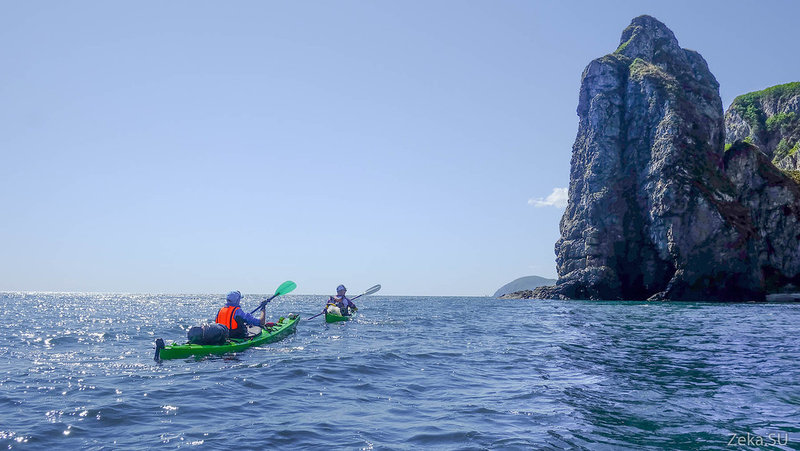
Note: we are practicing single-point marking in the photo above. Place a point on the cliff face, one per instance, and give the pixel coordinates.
(773, 202)
(770, 120)
(652, 213)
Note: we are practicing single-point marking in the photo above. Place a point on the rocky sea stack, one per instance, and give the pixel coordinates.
(657, 208)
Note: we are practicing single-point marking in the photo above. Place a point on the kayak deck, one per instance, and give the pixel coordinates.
(285, 327)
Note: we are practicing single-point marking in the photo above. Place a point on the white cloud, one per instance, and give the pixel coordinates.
(558, 199)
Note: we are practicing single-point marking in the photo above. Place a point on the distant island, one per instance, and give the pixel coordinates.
(523, 284)
(669, 198)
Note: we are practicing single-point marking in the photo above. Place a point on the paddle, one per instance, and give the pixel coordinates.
(370, 290)
(285, 288)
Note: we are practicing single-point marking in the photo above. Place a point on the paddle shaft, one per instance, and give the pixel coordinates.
(264, 304)
(323, 311)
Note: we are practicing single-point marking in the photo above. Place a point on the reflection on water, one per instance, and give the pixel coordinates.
(406, 373)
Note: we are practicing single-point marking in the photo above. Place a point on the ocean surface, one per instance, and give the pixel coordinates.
(77, 371)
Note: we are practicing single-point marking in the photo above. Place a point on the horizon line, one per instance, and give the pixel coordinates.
(223, 294)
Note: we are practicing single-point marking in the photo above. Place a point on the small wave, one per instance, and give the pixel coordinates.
(570, 375)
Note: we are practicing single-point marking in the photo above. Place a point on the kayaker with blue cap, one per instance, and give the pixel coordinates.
(341, 301)
(235, 319)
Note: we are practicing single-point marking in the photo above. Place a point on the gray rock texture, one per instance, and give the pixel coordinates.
(772, 200)
(770, 120)
(652, 213)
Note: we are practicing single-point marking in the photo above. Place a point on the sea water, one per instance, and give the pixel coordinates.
(77, 371)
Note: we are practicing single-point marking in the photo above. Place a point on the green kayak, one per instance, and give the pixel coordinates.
(285, 327)
(334, 318)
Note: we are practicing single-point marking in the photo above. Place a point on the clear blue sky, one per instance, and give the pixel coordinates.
(195, 146)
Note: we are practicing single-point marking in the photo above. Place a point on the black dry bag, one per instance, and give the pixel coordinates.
(208, 334)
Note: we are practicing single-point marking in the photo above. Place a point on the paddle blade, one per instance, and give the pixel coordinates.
(374, 289)
(285, 288)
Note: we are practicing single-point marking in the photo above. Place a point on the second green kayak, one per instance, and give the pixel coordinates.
(333, 318)
(285, 327)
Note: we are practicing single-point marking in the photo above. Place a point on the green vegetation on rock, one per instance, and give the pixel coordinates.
(794, 175)
(781, 121)
(785, 149)
(623, 45)
(749, 107)
(738, 144)
(640, 69)
(751, 113)
(615, 58)
(779, 92)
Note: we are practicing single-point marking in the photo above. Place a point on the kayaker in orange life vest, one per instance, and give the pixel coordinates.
(235, 319)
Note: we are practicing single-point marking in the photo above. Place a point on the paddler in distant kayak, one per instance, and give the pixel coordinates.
(235, 319)
(341, 302)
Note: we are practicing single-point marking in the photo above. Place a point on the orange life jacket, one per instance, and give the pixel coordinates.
(225, 316)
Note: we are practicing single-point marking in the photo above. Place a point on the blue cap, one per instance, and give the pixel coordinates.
(341, 288)
(234, 297)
